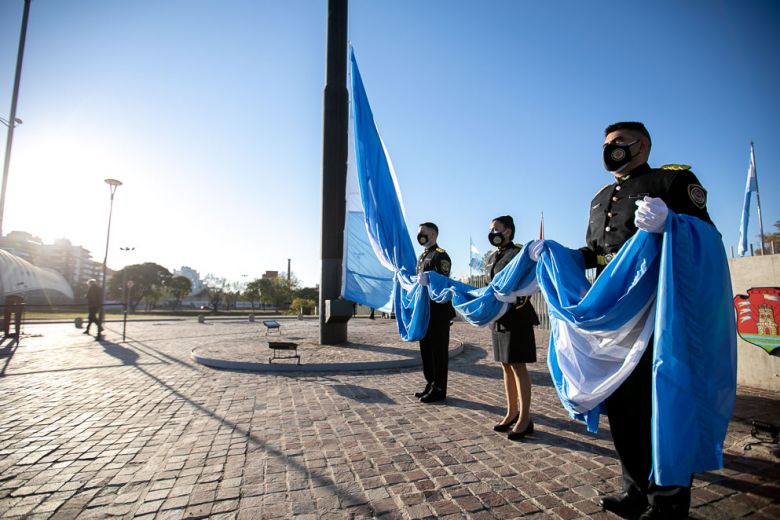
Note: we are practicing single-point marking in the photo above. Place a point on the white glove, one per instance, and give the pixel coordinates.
(422, 279)
(535, 249)
(651, 214)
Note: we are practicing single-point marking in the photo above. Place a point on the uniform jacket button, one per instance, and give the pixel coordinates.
(607, 228)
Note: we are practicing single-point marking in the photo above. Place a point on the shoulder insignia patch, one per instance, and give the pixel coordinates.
(676, 167)
(698, 195)
(445, 267)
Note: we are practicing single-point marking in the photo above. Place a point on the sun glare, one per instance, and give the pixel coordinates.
(56, 187)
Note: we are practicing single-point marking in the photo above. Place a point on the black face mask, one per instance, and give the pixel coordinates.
(422, 238)
(496, 238)
(618, 156)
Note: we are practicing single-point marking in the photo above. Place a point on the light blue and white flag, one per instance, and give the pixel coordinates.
(674, 286)
(750, 187)
(381, 209)
(475, 258)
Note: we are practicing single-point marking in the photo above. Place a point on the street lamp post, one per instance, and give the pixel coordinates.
(126, 286)
(113, 184)
(13, 121)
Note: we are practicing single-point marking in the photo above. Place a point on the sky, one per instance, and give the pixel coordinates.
(210, 113)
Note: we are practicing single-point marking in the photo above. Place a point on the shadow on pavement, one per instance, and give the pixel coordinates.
(155, 353)
(8, 347)
(768, 471)
(130, 357)
(363, 394)
(123, 354)
(749, 406)
(475, 405)
(409, 353)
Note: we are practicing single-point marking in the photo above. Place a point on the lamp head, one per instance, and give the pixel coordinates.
(113, 184)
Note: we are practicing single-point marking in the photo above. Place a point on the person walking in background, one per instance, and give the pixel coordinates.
(514, 344)
(434, 347)
(94, 300)
(13, 306)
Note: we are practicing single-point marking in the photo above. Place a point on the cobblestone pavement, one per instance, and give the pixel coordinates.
(138, 429)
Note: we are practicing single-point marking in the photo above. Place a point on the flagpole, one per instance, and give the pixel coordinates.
(758, 198)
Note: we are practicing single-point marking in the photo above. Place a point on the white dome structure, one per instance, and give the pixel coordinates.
(18, 276)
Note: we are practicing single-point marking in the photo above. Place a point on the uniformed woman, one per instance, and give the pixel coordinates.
(513, 337)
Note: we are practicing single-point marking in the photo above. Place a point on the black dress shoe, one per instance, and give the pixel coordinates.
(664, 513)
(433, 396)
(624, 505)
(516, 436)
(420, 394)
(503, 427)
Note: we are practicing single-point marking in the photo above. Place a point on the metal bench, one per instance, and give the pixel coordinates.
(288, 346)
(271, 325)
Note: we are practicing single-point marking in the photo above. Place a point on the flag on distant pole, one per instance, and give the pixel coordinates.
(541, 227)
(475, 258)
(750, 187)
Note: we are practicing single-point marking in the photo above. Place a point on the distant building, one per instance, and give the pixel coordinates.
(270, 275)
(22, 244)
(74, 263)
(192, 275)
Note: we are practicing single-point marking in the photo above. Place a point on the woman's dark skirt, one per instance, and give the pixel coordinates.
(513, 335)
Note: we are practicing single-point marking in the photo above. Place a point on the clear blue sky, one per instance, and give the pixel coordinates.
(210, 112)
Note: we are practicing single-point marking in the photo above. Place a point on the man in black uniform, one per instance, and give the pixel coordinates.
(640, 198)
(434, 346)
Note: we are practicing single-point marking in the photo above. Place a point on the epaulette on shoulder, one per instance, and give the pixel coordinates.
(440, 250)
(518, 246)
(676, 167)
(603, 188)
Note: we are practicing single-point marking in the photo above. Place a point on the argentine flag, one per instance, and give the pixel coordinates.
(475, 258)
(750, 187)
(673, 287)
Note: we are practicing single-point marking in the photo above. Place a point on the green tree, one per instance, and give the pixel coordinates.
(179, 287)
(307, 293)
(302, 303)
(252, 292)
(485, 259)
(770, 240)
(147, 280)
(278, 291)
(231, 297)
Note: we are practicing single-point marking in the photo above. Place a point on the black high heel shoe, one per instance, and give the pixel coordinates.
(516, 436)
(505, 427)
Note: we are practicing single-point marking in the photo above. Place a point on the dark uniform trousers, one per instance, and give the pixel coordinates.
(434, 346)
(629, 408)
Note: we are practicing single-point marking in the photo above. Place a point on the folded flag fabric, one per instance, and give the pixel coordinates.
(674, 287)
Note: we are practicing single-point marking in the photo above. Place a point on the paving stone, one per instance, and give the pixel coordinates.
(85, 434)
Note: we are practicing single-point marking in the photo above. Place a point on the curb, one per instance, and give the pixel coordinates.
(316, 367)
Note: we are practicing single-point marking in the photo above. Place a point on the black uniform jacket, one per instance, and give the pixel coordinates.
(612, 209)
(523, 312)
(436, 259)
